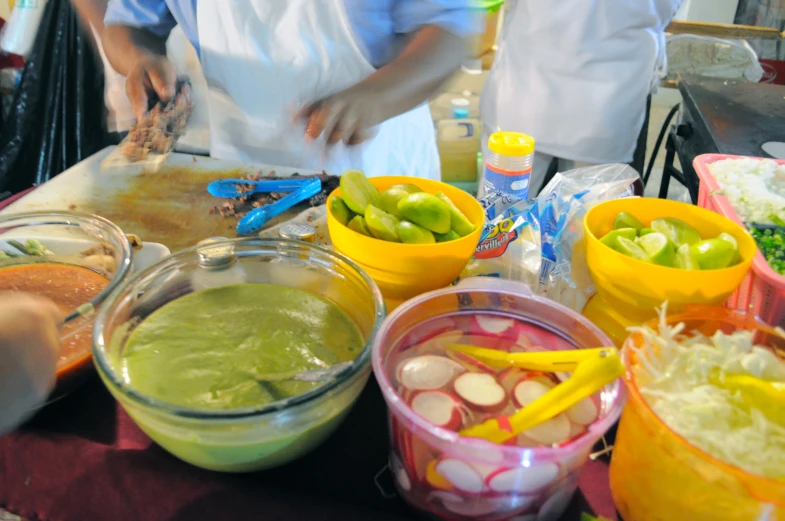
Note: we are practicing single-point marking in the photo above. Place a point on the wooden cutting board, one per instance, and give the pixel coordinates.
(169, 206)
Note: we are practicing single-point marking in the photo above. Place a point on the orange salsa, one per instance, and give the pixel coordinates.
(69, 287)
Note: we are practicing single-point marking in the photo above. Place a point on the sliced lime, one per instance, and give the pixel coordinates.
(426, 210)
(685, 260)
(410, 233)
(446, 237)
(714, 254)
(630, 249)
(611, 238)
(358, 225)
(340, 211)
(382, 225)
(625, 220)
(459, 223)
(732, 240)
(412, 189)
(645, 231)
(389, 199)
(357, 192)
(676, 230)
(659, 249)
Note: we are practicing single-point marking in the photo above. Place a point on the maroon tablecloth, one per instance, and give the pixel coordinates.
(83, 459)
(13, 198)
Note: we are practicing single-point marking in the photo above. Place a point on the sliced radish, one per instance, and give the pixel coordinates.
(527, 391)
(551, 432)
(576, 430)
(583, 413)
(509, 377)
(440, 342)
(439, 408)
(485, 341)
(461, 475)
(470, 363)
(434, 479)
(555, 506)
(428, 331)
(522, 344)
(480, 391)
(494, 325)
(400, 473)
(522, 441)
(427, 372)
(525, 480)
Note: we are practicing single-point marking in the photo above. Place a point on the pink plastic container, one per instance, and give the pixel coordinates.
(763, 290)
(539, 481)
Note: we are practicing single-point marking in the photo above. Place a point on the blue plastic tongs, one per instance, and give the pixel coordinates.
(301, 189)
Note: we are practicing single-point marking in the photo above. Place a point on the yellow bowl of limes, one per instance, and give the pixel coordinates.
(401, 270)
(640, 274)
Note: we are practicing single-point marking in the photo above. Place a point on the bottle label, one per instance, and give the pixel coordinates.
(509, 182)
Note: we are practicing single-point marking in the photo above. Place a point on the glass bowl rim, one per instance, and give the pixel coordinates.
(61, 218)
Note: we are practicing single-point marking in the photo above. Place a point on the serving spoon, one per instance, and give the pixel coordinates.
(312, 376)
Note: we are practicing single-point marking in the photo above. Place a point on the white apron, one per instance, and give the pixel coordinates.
(575, 74)
(265, 59)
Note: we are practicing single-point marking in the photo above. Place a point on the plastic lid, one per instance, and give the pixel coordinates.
(511, 144)
(460, 108)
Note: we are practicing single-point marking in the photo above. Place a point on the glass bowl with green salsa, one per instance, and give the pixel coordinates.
(205, 349)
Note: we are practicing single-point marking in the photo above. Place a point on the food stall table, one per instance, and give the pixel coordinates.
(83, 458)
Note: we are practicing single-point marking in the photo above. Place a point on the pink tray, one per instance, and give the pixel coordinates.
(763, 290)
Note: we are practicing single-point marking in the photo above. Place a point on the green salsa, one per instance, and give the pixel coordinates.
(208, 349)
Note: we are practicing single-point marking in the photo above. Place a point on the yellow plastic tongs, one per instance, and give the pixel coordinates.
(592, 369)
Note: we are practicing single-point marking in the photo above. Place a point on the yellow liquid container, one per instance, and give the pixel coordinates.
(657, 475)
(458, 141)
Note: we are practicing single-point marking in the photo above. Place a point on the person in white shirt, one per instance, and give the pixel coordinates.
(575, 75)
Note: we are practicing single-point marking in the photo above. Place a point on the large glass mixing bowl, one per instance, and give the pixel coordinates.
(249, 438)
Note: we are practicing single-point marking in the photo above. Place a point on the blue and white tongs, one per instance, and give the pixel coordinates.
(253, 221)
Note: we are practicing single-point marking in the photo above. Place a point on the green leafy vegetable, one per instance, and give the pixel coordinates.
(772, 245)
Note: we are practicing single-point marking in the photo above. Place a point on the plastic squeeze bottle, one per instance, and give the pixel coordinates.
(508, 164)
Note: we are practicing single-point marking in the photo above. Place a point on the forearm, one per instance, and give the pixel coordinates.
(91, 11)
(125, 46)
(428, 60)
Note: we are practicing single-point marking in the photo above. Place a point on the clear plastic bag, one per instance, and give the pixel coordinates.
(540, 242)
(712, 57)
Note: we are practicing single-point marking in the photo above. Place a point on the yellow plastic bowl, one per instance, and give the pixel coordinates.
(403, 271)
(657, 475)
(629, 290)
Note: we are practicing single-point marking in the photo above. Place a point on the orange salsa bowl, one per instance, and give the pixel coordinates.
(658, 475)
(76, 261)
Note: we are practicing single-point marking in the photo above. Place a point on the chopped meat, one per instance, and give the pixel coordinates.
(157, 132)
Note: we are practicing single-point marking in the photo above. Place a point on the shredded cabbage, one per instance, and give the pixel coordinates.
(673, 377)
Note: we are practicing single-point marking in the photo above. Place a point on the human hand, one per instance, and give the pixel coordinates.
(349, 116)
(29, 347)
(151, 77)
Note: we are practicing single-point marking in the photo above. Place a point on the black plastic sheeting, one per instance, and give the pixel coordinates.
(57, 117)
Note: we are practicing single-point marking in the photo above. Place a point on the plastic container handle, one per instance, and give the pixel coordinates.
(590, 376)
(492, 283)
